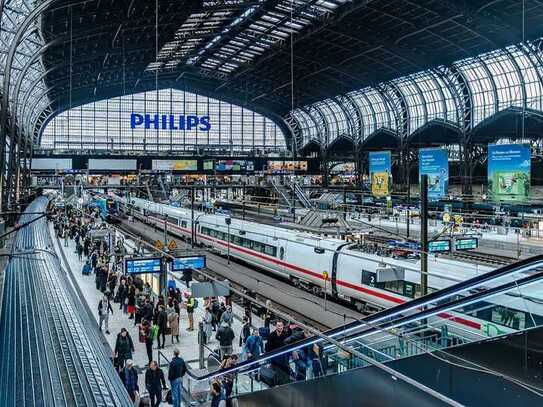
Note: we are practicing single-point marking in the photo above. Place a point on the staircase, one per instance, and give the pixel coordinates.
(317, 219)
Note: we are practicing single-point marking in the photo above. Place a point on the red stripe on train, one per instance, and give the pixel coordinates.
(365, 290)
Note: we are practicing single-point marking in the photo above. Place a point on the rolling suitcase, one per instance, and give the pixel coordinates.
(86, 269)
(268, 376)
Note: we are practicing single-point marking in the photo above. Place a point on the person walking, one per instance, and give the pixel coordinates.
(123, 348)
(225, 336)
(130, 380)
(176, 371)
(227, 316)
(104, 308)
(155, 383)
(254, 345)
(191, 305)
(173, 321)
(207, 319)
(245, 331)
(162, 322)
(146, 336)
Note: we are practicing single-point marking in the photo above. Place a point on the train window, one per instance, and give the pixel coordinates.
(174, 221)
(270, 250)
(259, 247)
(184, 223)
(281, 253)
(237, 240)
(247, 243)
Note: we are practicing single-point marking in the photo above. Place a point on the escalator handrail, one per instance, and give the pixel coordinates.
(398, 310)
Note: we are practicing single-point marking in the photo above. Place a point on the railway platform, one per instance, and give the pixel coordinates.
(188, 340)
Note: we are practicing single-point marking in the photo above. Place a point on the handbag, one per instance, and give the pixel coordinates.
(168, 397)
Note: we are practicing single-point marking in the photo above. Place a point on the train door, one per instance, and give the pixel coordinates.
(334, 268)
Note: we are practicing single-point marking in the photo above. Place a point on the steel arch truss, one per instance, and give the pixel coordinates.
(462, 94)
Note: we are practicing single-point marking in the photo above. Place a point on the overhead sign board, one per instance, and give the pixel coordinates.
(434, 162)
(439, 246)
(380, 173)
(189, 262)
(175, 165)
(141, 266)
(466, 244)
(509, 171)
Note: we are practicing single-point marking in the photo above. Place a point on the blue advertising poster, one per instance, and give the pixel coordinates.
(509, 167)
(139, 266)
(434, 162)
(189, 263)
(380, 173)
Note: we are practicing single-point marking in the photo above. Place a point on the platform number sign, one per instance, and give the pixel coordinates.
(369, 278)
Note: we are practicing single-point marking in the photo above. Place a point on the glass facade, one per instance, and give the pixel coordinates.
(494, 81)
(119, 124)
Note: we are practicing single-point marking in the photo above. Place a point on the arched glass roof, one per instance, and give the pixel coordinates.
(129, 123)
(493, 81)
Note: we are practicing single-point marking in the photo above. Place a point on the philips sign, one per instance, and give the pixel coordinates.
(169, 122)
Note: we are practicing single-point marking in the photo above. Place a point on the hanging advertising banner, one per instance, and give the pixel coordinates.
(509, 168)
(380, 173)
(175, 165)
(434, 162)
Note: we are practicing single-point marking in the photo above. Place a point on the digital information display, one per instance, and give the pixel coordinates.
(439, 246)
(466, 244)
(189, 262)
(140, 266)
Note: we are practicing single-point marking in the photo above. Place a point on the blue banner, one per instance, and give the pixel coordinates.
(380, 173)
(434, 162)
(509, 167)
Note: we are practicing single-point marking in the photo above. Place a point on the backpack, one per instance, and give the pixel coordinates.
(195, 302)
(154, 331)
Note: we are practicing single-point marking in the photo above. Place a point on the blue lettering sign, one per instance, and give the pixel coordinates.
(170, 122)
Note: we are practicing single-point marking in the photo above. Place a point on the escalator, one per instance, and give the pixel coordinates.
(417, 350)
(300, 194)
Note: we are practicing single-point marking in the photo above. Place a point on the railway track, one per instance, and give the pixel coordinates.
(284, 296)
(471, 256)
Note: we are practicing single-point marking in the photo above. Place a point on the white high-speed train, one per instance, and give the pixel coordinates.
(321, 264)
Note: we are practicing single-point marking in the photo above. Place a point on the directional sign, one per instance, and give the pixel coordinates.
(159, 245)
(325, 275)
(172, 245)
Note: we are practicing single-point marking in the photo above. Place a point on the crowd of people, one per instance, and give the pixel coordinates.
(158, 317)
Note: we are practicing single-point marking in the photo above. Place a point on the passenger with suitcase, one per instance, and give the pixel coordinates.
(155, 383)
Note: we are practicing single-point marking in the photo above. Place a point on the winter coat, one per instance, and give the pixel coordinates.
(225, 336)
(173, 320)
(227, 317)
(162, 320)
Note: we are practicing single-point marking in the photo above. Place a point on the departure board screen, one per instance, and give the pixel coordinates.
(466, 244)
(439, 246)
(188, 263)
(140, 266)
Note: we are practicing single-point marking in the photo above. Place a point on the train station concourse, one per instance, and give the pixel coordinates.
(271, 203)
